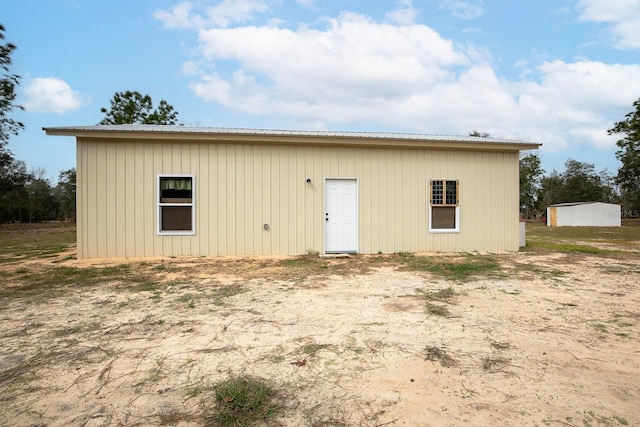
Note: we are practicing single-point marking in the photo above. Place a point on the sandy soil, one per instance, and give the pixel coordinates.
(552, 341)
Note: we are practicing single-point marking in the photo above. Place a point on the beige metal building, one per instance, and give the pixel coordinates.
(179, 191)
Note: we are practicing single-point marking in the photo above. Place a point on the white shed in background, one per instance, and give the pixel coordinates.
(595, 214)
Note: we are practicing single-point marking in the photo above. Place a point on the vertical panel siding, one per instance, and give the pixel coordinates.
(81, 199)
(238, 188)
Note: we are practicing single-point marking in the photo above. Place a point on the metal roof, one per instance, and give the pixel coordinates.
(579, 203)
(223, 131)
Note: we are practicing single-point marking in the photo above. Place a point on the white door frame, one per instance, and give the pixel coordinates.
(325, 212)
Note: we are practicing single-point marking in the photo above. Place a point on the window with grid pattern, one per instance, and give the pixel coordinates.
(444, 192)
(444, 209)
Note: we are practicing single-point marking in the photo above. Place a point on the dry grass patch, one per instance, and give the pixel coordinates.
(501, 345)
(494, 364)
(221, 293)
(436, 354)
(456, 268)
(442, 296)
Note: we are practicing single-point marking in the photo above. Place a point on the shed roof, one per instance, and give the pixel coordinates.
(297, 137)
(579, 203)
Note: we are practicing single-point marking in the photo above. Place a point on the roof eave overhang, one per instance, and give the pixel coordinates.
(293, 139)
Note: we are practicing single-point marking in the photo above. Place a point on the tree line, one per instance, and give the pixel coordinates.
(579, 182)
(28, 196)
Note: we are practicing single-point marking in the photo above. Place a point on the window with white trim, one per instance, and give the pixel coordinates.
(176, 207)
(444, 209)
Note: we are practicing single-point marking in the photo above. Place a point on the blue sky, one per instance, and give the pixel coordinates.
(558, 72)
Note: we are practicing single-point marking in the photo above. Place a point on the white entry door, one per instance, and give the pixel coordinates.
(341, 216)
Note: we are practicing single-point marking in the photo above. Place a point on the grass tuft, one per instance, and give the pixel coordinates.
(194, 391)
(621, 420)
(243, 401)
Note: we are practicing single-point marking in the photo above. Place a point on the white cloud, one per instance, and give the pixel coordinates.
(404, 14)
(570, 101)
(51, 95)
(226, 12)
(623, 16)
(354, 70)
(463, 9)
(235, 11)
(178, 17)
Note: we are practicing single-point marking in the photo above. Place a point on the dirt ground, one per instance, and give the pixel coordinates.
(548, 339)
